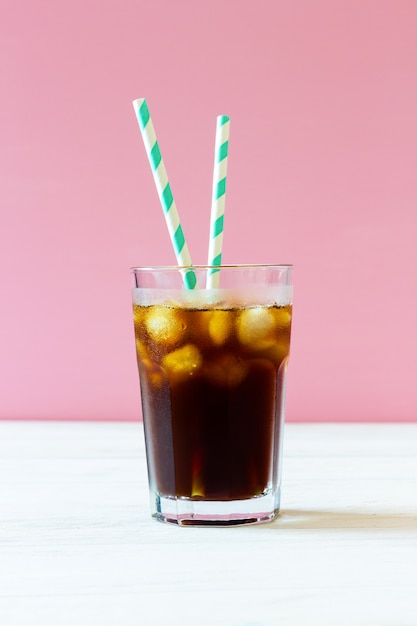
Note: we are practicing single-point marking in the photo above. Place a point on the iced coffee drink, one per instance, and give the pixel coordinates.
(212, 366)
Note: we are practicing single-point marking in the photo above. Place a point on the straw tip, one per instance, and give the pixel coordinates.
(138, 103)
(223, 119)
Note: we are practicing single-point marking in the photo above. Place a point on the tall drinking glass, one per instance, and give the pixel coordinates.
(212, 367)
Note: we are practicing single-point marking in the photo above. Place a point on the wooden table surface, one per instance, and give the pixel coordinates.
(77, 545)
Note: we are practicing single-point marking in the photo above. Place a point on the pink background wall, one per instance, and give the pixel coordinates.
(322, 173)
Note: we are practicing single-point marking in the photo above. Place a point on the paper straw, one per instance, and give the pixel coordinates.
(218, 199)
(164, 190)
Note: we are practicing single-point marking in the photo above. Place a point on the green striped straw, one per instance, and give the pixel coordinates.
(164, 190)
(218, 199)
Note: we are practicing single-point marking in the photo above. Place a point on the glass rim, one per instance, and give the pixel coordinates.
(153, 268)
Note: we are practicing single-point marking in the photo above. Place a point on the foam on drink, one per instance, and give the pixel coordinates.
(280, 295)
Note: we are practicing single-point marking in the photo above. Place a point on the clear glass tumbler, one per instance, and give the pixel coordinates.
(212, 367)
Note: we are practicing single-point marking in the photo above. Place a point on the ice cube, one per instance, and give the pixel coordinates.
(220, 326)
(278, 352)
(164, 325)
(141, 351)
(282, 317)
(147, 366)
(228, 371)
(156, 375)
(137, 316)
(255, 328)
(183, 362)
(153, 372)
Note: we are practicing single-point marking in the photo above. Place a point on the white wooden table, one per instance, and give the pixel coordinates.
(77, 545)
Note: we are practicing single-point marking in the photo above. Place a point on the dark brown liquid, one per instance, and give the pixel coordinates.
(211, 395)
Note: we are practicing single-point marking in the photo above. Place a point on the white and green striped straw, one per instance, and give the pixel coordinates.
(164, 190)
(218, 199)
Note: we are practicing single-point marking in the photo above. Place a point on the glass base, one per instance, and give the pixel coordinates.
(187, 512)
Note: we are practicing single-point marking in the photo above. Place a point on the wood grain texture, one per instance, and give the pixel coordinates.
(77, 545)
